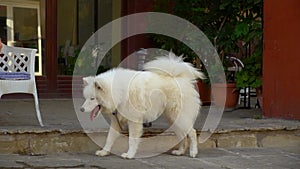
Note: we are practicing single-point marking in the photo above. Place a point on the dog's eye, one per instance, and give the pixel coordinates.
(92, 98)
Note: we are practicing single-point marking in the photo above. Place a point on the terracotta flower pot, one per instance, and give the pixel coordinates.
(204, 91)
(232, 94)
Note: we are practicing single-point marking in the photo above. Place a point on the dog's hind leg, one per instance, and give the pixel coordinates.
(182, 132)
(135, 132)
(182, 147)
(193, 142)
(179, 131)
(113, 134)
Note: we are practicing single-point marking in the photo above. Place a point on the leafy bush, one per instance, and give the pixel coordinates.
(250, 75)
(233, 26)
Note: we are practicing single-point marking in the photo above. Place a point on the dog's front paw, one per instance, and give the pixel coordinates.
(102, 153)
(193, 153)
(127, 156)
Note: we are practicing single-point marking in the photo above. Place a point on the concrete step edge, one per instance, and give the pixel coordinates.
(57, 141)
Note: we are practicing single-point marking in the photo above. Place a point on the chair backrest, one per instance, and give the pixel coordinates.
(17, 59)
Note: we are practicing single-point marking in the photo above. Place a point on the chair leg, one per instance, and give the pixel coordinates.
(37, 109)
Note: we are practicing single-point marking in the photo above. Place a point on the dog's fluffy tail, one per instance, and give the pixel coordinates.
(174, 66)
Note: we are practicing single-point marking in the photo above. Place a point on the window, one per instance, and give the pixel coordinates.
(20, 25)
(77, 20)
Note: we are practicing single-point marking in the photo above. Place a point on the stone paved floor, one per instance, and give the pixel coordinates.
(60, 114)
(246, 158)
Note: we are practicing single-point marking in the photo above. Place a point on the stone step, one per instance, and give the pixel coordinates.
(21, 134)
(36, 142)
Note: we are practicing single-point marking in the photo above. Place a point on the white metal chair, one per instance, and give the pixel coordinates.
(244, 94)
(17, 73)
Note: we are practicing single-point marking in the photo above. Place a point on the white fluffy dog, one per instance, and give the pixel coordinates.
(166, 87)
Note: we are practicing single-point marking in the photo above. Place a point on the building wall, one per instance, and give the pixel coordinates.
(135, 43)
(281, 60)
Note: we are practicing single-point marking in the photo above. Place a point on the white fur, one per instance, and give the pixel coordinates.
(165, 87)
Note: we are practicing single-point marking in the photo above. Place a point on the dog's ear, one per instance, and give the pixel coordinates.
(87, 80)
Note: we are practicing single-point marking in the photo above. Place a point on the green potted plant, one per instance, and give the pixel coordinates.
(218, 87)
(234, 27)
(230, 25)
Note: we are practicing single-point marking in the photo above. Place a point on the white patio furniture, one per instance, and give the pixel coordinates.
(17, 73)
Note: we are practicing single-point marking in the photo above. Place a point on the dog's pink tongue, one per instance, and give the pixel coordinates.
(94, 113)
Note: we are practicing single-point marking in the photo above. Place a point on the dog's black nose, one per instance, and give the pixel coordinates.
(82, 109)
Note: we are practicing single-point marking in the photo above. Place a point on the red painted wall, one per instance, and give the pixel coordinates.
(133, 44)
(281, 59)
